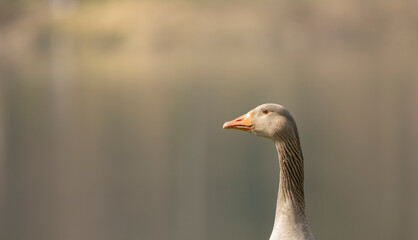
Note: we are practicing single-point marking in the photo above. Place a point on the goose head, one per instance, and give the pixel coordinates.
(268, 120)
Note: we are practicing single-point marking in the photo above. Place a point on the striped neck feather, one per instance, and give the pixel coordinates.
(291, 172)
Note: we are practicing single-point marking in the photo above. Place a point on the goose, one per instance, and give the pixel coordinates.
(275, 122)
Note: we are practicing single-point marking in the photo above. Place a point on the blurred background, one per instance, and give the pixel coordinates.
(111, 117)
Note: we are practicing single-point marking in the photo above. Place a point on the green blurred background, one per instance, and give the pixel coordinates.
(111, 117)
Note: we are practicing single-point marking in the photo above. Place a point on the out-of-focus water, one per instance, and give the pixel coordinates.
(111, 117)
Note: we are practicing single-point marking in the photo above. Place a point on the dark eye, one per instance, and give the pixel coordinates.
(265, 111)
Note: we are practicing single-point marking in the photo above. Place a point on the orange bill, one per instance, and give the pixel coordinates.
(241, 123)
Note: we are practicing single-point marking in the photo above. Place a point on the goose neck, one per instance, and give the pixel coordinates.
(291, 173)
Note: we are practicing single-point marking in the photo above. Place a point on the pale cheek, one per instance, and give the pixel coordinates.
(257, 132)
(268, 132)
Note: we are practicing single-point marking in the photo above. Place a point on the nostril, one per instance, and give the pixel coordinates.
(239, 120)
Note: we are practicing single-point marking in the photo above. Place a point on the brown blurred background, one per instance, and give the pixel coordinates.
(111, 115)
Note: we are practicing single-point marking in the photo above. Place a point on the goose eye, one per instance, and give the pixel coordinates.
(265, 111)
